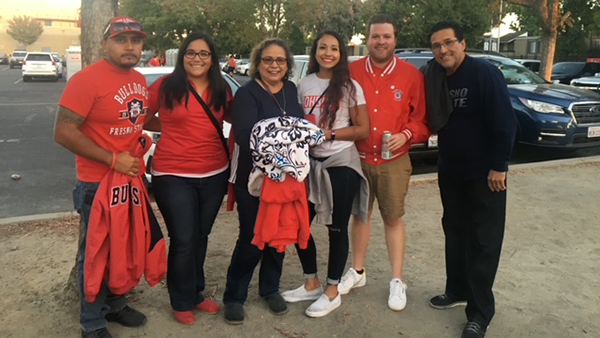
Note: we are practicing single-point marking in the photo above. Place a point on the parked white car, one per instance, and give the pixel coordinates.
(41, 64)
(242, 66)
(588, 82)
(154, 73)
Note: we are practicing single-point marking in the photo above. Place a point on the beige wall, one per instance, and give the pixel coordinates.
(55, 38)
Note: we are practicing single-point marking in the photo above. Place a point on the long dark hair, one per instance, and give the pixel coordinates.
(340, 81)
(175, 88)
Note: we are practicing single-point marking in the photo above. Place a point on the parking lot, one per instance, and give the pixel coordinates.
(47, 171)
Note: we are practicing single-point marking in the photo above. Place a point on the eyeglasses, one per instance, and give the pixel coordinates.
(122, 26)
(269, 61)
(203, 55)
(447, 44)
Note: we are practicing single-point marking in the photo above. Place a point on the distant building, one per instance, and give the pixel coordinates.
(516, 45)
(62, 26)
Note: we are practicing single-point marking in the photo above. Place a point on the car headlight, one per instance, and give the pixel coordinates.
(542, 107)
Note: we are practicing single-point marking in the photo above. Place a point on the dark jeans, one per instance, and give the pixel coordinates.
(473, 223)
(92, 314)
(246, 256)
(189, 207)
(345, 183)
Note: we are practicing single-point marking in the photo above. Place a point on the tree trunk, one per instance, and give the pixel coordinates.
(551, 16)
(548, 49)
(95, 14)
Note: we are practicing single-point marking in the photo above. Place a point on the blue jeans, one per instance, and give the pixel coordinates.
(246, 256)
(189, 207)
(92, 314)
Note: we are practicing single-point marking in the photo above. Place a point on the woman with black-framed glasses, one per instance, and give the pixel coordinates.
(269, 94)
(190, 166)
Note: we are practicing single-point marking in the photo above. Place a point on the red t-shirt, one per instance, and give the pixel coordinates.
(114, 103)
(154, 62)
(189, 142)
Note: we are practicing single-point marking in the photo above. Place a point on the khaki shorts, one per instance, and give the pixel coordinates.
(388, 183)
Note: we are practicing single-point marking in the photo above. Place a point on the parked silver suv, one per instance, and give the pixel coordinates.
(16, 59)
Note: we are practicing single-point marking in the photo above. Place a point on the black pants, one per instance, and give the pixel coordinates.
(246, 256)
(189, 206)
(473, 223)
(345, 184)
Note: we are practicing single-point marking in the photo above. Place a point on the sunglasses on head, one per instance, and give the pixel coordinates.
(122, 26)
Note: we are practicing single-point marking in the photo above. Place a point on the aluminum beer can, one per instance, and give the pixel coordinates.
(386, 154)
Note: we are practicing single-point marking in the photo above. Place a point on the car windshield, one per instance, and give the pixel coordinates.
(19, 54)
(514, 72)
(416, 61)
(567, 67)
(39, 57)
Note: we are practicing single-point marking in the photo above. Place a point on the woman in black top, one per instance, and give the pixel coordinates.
(268, 94)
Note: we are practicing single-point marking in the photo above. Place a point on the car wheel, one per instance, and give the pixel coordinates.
(26, 79)
(246, 72)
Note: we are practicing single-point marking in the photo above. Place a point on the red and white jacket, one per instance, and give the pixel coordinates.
(124, 239)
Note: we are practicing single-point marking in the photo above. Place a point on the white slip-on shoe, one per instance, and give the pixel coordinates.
(301, 294)
(397, 298)
(352, 280)
(323, 306)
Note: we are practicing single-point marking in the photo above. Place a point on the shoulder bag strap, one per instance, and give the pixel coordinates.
(316, 102)
(266, 87)
(213, 119)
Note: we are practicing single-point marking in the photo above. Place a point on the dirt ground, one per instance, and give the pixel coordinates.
(547, 283)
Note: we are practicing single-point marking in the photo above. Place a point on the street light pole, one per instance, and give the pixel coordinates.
(499, 25)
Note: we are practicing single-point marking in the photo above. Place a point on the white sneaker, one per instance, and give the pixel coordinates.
(352, 280)
(301, 294)
(397, 299)
(323, 306)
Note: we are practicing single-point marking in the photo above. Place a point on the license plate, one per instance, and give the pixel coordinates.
(433, 141)
(593, 132)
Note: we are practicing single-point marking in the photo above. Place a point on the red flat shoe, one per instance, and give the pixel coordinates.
(208, 306)
(184, 317)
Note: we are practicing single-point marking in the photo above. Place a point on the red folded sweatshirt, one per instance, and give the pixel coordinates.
(282, 215)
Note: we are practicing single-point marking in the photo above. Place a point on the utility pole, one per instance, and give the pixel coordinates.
(499, 25)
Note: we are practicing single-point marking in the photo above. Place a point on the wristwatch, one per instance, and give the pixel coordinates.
(332, 135)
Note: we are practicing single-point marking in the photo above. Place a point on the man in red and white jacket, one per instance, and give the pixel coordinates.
(395, 95)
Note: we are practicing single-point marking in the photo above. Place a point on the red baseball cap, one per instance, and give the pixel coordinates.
(123, 24)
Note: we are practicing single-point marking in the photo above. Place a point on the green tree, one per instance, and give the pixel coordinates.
(169, 21)
(572, 37)
(415, 17)
(552, 17)
(305, 19)
(24, 29)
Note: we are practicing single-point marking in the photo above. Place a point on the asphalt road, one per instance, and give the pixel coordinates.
(47, 171)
